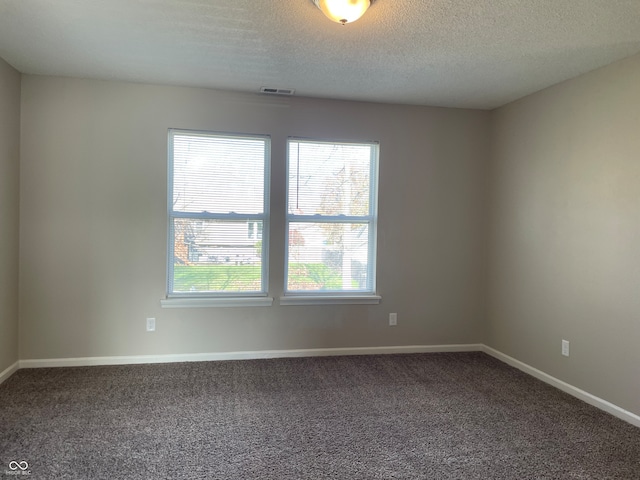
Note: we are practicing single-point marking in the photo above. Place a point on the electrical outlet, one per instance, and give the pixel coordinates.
(565, 348)
(151, 324)
(393, 319)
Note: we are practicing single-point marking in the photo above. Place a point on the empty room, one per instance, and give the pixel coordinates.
(320, 239)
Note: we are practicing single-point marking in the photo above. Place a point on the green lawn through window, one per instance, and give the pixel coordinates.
(246, 278)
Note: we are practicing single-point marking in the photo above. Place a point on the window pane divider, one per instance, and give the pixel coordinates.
(331, 218)
(218, 216)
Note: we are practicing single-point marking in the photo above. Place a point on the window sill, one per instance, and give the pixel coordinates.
(330, 300)
(216, 302)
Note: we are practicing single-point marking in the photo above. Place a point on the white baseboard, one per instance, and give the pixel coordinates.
(7, 372)
(244, 355)
(598, 402)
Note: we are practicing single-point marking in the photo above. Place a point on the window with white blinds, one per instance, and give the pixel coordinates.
(331, 217)
(218, 214)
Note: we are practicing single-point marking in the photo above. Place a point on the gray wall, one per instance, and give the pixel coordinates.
(565, 232)
(9, 212)
(94, 227)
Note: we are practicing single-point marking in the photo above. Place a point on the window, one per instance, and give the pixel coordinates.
(331, 218)
(218, 214)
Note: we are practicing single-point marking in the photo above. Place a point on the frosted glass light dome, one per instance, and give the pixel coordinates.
(343, 11)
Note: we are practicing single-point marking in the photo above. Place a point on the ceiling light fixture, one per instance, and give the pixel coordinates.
(343, 11)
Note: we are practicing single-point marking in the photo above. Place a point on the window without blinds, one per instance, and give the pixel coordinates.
(218, 214)
(331, 217)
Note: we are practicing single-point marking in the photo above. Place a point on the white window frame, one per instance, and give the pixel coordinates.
(360, 297)
(222, 299)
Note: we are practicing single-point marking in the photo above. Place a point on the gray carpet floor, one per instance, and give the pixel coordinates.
(427, 416)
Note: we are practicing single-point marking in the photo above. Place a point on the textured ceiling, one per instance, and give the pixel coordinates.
(455, 53)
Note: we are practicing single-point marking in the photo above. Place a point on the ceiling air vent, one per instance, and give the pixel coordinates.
(277, 91)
